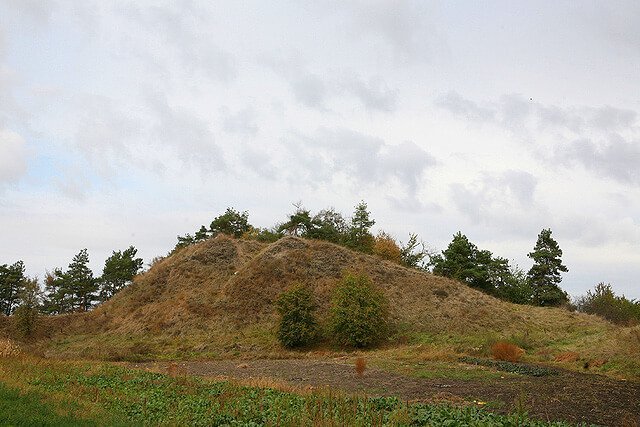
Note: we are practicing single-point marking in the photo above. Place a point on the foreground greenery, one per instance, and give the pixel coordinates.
(26, 409)
(67, 393)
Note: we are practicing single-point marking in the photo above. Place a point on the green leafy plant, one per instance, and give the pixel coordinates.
(359, 312)
(516, 368)
(298, 326)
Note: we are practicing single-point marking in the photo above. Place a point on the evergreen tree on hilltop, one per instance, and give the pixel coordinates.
(463, 261)
(300, 223)
(544, 276)
(359, 236)
(12, 282)
(58, 298)
(82, 285)
(119, 270)
(231, 222)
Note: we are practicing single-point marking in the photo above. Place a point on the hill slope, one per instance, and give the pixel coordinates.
(216, 298)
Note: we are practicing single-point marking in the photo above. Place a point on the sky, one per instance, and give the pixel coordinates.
(131, 122)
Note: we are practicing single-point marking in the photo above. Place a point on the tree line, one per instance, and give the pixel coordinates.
(76, 289)
(327, 224)
(462, 260)
(65, 290)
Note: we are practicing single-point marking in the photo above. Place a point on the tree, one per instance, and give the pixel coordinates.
(359, 236)
(12, 280)
(359, 312)
(413, 253)
(58, 298)
(463, 261)
(232, 222)
(298, 326)
(299, 223)
(82, 286)
(511, 283)
(202, 234)
(328, 225)
(26, 315)
(386, 247)
(603, 301)
(544, 276)
(119, 270)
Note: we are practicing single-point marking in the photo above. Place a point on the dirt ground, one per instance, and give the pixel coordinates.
(569, 396)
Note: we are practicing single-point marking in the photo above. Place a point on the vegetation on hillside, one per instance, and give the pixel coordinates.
(602, 301)
(359, 312)
(297, 325)
(75, 289)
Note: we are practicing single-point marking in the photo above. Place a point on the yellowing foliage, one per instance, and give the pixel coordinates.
(386, 247)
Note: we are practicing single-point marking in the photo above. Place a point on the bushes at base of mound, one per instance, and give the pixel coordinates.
(298, 326)
(359, 312)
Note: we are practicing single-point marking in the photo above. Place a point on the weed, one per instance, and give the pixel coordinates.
(506, 351)
(361, 365)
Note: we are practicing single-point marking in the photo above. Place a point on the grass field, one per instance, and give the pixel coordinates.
(38, 392)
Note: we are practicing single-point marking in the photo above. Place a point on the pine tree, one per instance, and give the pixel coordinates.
(58, 298)
(463, 261)
(119, 269)
(360, 238)
(82, 286)
(12, 282)
(300, 223)
(544, 276)
(231, 222)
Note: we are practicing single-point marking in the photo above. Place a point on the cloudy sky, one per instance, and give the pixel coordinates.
(123, 122)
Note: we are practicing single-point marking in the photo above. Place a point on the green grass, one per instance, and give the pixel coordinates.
(108, 394)
(433, 369)
(27, 409)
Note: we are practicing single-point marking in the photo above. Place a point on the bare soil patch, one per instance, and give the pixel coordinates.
(569, 396)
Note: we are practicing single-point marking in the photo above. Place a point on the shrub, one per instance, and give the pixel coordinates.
(386, 247)
(359, 312)
(603, 302)
(506, 351)
(298, 326)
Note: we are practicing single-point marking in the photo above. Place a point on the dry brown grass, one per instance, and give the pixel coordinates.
(226, 281)
(503, 350)
(361, 366)
(567, 356)
(216, 298)
(8, 348)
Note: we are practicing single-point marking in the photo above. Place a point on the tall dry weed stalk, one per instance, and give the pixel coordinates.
(506, 351)
(361, 366)
(8, 348)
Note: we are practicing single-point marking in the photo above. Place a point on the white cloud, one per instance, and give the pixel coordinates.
(362, 159)
(13, 156)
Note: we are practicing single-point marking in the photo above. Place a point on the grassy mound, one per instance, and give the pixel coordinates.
(216, 299)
